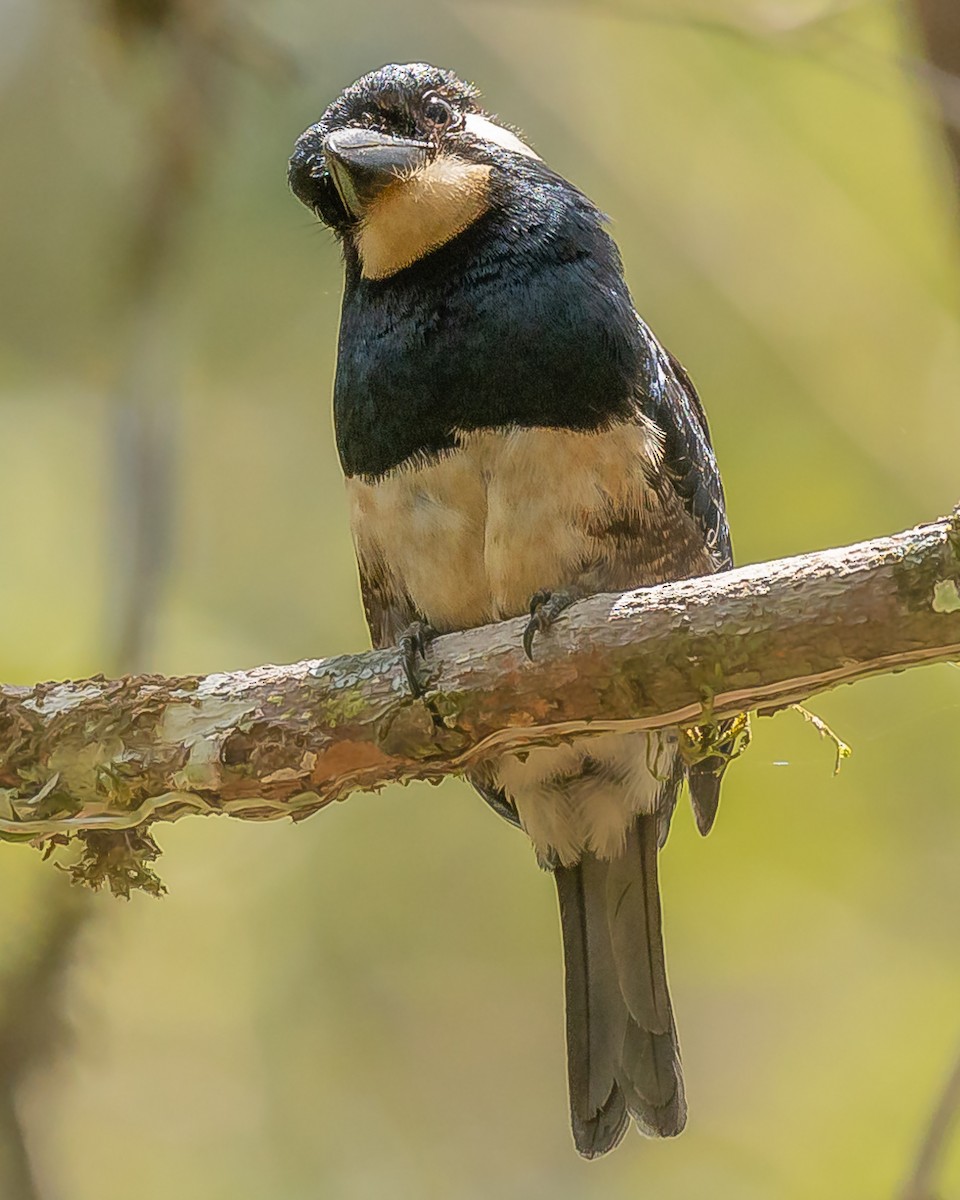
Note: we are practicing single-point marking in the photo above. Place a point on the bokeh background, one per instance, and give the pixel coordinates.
(369, 1004)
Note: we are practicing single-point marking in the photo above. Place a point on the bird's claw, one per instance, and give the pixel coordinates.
(413, 643)
(545, 607)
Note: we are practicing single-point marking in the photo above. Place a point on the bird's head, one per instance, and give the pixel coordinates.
(401, 163)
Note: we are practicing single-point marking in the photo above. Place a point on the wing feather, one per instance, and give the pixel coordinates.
(689, 463)
(690, 466)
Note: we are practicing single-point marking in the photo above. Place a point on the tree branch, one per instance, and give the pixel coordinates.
(936, 1139)
(938, 22)
(284, 741)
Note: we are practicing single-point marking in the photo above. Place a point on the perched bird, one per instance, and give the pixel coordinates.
(513, 437)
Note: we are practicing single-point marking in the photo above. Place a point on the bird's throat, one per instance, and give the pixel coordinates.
(417, 215)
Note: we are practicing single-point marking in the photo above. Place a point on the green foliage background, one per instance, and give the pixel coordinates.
(369, 1004)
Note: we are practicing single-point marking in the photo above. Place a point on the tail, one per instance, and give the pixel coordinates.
(622, 1050)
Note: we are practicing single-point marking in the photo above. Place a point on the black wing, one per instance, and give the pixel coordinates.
(388, 609)
(690, 465)
(671, 400)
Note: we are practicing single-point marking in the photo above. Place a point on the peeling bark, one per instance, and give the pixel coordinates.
(101, 755)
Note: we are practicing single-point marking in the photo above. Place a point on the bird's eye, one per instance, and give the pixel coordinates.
(438, 113)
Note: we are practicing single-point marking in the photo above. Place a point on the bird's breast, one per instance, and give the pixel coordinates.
(470, 534)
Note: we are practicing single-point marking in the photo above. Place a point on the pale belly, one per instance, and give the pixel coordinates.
(471, 536)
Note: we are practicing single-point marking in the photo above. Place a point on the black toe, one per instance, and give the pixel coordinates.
(545, 607)
(413, 643)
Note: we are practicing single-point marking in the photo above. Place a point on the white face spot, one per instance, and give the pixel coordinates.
(488, 131)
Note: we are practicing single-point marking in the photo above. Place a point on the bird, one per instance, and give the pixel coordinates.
(513, 437)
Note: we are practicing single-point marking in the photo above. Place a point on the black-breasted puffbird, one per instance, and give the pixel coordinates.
(513, 437)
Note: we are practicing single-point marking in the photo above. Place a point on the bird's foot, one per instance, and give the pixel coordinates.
(545, 607)
(413, 643)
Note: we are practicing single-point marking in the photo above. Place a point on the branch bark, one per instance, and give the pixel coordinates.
(936, 1140)
(938, 23)
(285, 741)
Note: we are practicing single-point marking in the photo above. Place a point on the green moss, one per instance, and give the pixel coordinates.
(447, 705)
(344, 706)
(715, 739)
(118, 860)
(415, 730)
(946, 596)
(407, 731)
(920, 570)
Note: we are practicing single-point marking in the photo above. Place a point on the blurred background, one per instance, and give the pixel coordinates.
(369, 1004)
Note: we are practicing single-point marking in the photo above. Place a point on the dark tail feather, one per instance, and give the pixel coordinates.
(706, 775)
(705, 778)
(622, 1050)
